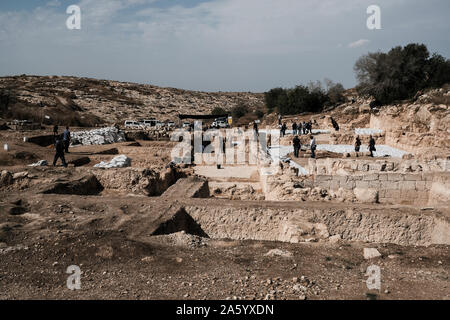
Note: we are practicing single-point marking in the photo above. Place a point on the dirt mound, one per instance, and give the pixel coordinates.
(88, 185)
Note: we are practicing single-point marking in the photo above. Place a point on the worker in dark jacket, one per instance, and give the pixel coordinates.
(294, 128)
(283, 129)
(66, 139)
(59, 145)
(297, 146)
(372, 146)
(357, 144)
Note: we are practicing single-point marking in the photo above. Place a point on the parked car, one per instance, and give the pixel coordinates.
(171, 124)
(149, 123)
(131, 124)
(159, 125)
(186, 125)
(220, 124)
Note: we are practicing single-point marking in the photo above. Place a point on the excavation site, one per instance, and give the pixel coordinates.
(205, 159)
(198, 212)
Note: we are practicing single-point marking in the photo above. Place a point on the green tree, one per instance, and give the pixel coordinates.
(400, 73)
(273, 98)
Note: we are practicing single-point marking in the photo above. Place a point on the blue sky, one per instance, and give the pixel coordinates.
(226, 45)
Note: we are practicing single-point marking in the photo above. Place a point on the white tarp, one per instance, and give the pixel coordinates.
(121, 161)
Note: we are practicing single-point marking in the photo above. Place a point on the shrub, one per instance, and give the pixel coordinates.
(218, 111)
(239, 111)
(259, 113)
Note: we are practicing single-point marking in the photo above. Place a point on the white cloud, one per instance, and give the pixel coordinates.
(359, 43)
(53, 3)
(214, 45)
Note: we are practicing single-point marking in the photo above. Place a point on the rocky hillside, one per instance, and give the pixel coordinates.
(82, 101)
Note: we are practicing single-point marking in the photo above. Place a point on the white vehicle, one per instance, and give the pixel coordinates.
(219, 124)
(186, 124)
(131, 124)
(171, 124)
(149, 123)
(222, 124)
(159, 124)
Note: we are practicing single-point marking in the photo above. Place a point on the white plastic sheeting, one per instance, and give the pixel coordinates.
(382, 150)
(41, 163)
(121, 161)
(367, 131)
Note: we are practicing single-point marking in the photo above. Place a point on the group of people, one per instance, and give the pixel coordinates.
(298, 145)
(62, 143)
(372, 148)
(313, 146)
(300, 128)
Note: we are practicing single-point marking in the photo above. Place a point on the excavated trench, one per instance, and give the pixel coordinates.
(94, 182)
(402, 226)
(313, 222)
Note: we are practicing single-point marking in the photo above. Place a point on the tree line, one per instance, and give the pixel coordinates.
(311, 98)
(387, 77)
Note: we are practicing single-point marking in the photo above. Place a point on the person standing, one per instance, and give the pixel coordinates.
(55, 131)
(297, 146)
(66, 139)
(372, 146)
(255, 128)
(313, 146)
(283, 129)
(294, 128)
(357, 144)
(59, 146)
(300, 128)
(279, 119)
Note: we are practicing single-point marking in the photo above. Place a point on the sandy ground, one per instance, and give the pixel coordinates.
(57, 231)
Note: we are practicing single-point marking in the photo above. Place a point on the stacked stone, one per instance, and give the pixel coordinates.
(98, 136)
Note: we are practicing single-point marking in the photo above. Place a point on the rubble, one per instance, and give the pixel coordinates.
(371, 253)
(98, 136)
(121, 161)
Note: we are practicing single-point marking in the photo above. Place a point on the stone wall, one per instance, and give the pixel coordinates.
(353, 166)
(396, 188)
(304, 224)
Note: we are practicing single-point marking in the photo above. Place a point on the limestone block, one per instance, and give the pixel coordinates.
(362, 184)
(395, 177)
(421, 185)
(413, 177)
(407, 185)
(366, 195)
(371, 177)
